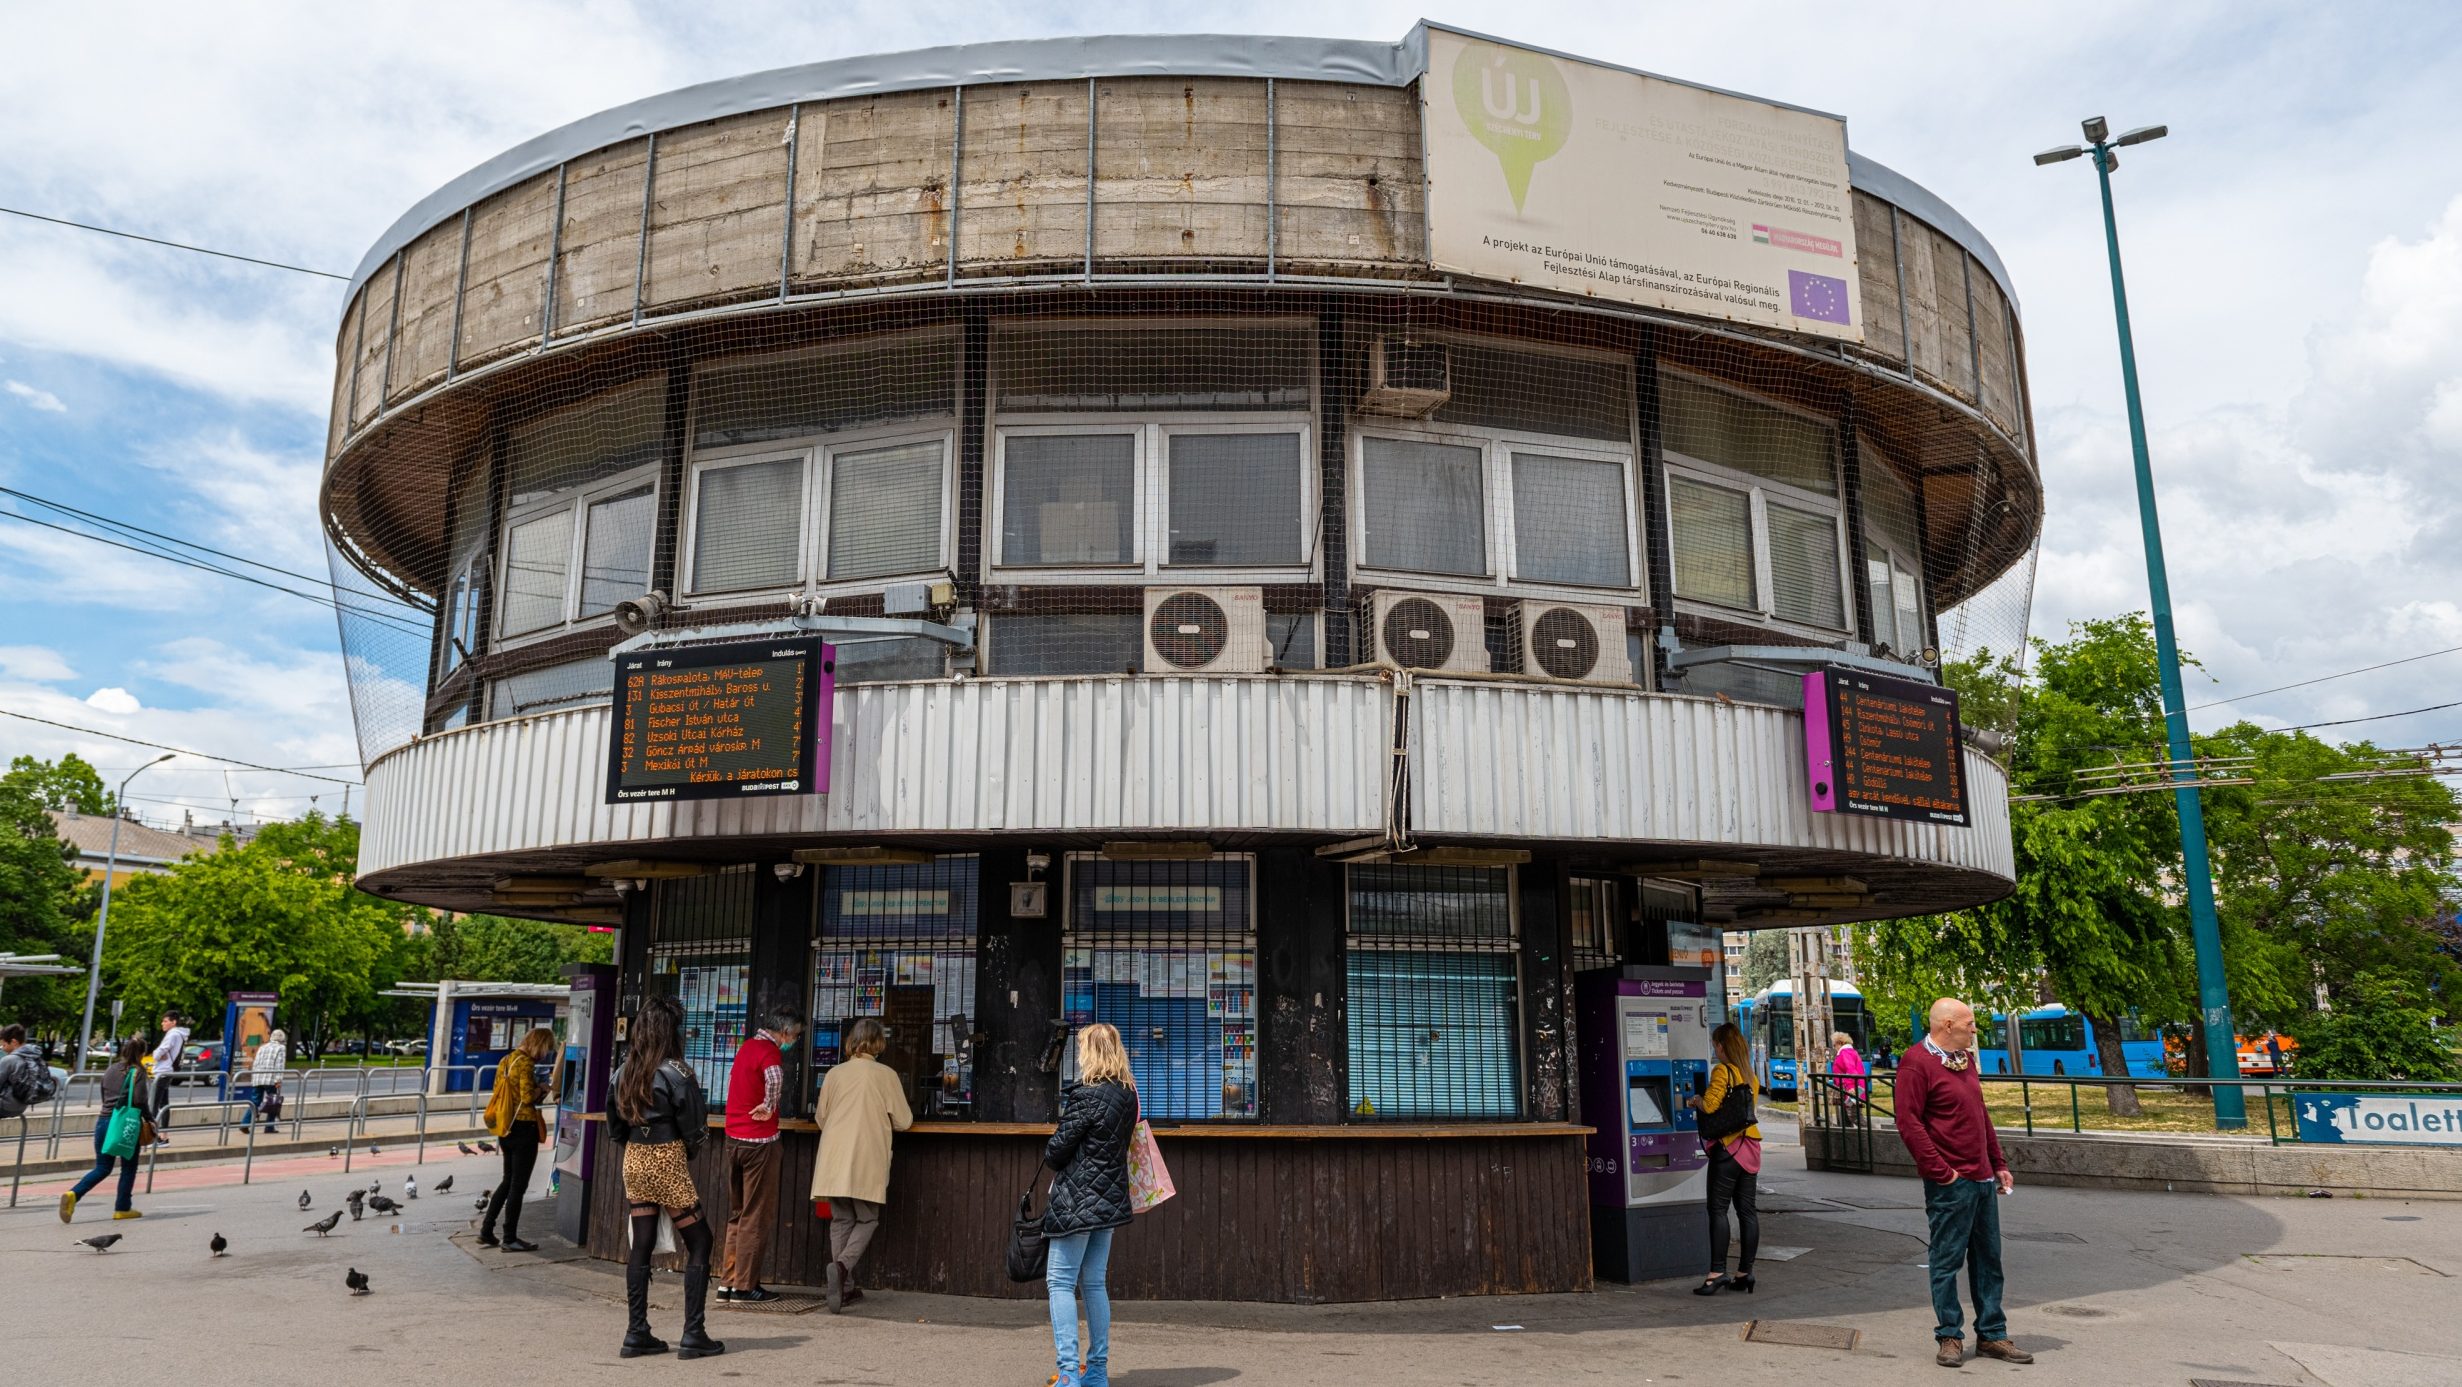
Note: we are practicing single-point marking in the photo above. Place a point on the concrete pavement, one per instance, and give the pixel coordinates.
(2106, 1287)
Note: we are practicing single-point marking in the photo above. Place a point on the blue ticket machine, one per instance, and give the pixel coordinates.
(481, 1031)
(1644, 1036)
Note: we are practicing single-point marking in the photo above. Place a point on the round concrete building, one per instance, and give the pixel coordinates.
(1317, 552)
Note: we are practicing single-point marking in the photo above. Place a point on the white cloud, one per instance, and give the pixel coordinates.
(34, 662)
(114, 700)
(36, 399)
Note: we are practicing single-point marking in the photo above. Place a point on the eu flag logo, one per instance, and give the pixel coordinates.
(1819, 297)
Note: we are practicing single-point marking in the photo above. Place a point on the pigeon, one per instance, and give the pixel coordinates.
(101, 1244)
(304, 1201)
(324, 1225)
(479, 1204)
(465, 1148)
(410, 1187)
(445, 1186)
(377, 1185)
(358, 1204)
(376, 1150)
(487, 1147)
(357, 1280)
(218, 1246)
(383, 1205)
(333, 1150)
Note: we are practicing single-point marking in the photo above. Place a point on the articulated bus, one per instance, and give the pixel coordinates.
(1767, 1019)
(2056, 1040)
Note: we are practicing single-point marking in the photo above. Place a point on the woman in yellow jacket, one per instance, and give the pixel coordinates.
(513, 1115)
(1730, 1182)
(862, 1102)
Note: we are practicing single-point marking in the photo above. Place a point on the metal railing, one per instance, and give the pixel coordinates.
(1833, 1109)
(45, 1128)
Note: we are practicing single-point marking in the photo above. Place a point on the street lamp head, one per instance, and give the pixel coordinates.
(166, 756)
(2062, 154)
(2097, 129)
(2142, 134)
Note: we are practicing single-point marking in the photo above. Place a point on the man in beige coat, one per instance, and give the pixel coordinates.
(862, 1102)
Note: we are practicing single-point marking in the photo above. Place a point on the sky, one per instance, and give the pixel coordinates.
(2294, 251)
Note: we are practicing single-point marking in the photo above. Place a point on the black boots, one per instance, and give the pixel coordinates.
(696, 1342)
(638, 1341)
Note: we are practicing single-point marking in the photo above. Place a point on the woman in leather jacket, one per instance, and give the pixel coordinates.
(659, 1116)
(1089, 1198)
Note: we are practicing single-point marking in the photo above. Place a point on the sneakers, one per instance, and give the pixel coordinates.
(127, 1213)
(68, 1205)
(2003, 1350)
(513, 1244)
(1952, 1353)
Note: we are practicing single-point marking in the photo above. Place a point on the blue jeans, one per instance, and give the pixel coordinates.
(1080, 1264)
(1965, 1222)
(102, 1167)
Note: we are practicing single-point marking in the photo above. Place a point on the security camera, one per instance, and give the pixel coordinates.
(787, 871)
(635, 615)
(1038, 862)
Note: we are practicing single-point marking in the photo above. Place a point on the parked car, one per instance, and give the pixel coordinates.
(199, 1063)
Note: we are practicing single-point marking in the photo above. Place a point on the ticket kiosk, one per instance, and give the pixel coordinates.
(1645, 1047)
(584, 1076)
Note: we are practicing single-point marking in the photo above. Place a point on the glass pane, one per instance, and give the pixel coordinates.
(588, 442)
(1733, 431)
(1068, 499)
(1433, 1004)
(1154, 368)
(747, 526)
(1910, 613)
(1568, 521)
(1884, 601)
(615, 549)
(831, 390)
(1166, 952)
(881, 662)
(884, 510)
(1107, 643)
(1533, 392)
(1235, 499)
(1804, 584)
(1713, 542)
(1426, 507)
(897, 943)
(538, 554)
(540, 689)
(1292, 638)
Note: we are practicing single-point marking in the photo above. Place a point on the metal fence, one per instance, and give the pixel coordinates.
(1839, 1104)
(44, 1130)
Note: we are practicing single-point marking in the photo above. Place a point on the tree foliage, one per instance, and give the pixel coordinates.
(68, 783)
(1765, 959)
(2380, 1030)
(44, 900)
(496, 948)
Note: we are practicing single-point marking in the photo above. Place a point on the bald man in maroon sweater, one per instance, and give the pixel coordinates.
(1942, 1119)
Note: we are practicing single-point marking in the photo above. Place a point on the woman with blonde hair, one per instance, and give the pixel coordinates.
(1089, 1198)
(1847, 1064)
(513, 1115)
(1733, 1141)
(862, 1102)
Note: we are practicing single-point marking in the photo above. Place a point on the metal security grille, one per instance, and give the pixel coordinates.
(701, 955)
(1597, 923)
(1433, 993)
(897, 943)
(1167, 952)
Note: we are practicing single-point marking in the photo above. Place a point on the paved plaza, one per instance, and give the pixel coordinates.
(2106, 1288)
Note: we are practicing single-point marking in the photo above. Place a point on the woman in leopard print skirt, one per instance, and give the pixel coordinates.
(659, 1116)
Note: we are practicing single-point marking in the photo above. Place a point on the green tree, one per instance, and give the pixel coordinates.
(1765, 959)
(496, 948)
(68, 783)
(43, 903)
(2381, 1029)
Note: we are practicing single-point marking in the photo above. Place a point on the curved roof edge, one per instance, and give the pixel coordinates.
(1030, 60)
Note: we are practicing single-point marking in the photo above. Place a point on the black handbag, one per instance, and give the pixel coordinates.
(1734, 1113)
(1029, 1253)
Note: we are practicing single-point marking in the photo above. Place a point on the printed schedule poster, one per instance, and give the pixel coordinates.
(718, 721)
(1593, 180)
(1883, 748)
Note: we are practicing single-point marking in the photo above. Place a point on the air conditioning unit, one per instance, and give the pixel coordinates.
(1570, 640)
(1407, 379)
(1429, 630)
(1206, 631)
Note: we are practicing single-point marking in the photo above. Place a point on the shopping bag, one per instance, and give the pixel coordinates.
(1149, 1180)
(127, 1130)
(665, 1243)
(1747, 1153)
(1029, 1252)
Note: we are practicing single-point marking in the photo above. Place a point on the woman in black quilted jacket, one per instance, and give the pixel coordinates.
(1089, 1198)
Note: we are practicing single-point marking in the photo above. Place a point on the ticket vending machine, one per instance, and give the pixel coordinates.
(1644, 1035)
(581, 1088)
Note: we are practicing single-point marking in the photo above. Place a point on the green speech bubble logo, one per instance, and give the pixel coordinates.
(1516, 104)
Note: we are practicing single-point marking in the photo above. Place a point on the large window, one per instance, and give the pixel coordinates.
(701, 955)
(847, 511)
(581, 506)
(1752, 503)
(1434, 1014)
(1464, 507)
(897, 943)
(1167, 952)
(1893, 559)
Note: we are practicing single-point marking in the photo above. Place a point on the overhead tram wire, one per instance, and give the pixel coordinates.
(174, 245)
(184, 751)
(130, 528)
(2323, 678)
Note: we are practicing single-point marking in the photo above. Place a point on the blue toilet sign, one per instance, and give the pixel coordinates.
(2407, 1119)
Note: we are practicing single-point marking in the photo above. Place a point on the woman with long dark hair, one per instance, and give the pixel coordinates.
(1733, 1142)
(124, 1086)
(659, 1116)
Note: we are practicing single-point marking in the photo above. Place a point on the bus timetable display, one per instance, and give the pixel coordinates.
(1881, 747)
(718, 721)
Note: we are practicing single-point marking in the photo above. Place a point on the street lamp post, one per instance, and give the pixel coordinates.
(102, 921)
(2213, 991)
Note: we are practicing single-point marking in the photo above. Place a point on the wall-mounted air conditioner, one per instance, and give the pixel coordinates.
(1571, 640)
(1429, 630)
(1407, 379)
(1205, 631)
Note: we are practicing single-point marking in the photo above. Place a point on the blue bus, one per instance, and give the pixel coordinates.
(2056, 1040)
(1767, 1019)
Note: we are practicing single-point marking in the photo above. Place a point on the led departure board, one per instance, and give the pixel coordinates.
(718, 721)
(1882, 747)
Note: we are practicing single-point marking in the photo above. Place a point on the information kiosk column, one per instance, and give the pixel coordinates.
(1645, 1048)
(581, 1087)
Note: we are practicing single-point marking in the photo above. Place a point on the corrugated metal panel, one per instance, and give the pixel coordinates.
(1069, 755)
(1516, 761)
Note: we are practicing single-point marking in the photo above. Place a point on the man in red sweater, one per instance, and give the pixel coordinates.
(1942, 1119)
(756, 1088)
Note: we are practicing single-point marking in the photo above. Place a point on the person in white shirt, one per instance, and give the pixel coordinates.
(166, 1059)
(265, 1077)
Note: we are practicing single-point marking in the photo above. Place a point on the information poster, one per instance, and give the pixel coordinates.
(719, 721)
(1883, 748)
(1592, 180)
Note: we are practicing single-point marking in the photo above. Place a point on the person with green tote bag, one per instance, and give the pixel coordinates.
(119, 1134)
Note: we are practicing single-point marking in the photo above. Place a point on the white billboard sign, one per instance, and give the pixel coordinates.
(1592, 180)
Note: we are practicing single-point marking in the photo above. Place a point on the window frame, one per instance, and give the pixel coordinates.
(1510, 947)
(817, 456)
(1762, 490)
(1149, 499)
(1877, 549)
(576, 505)
(1496, 449)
